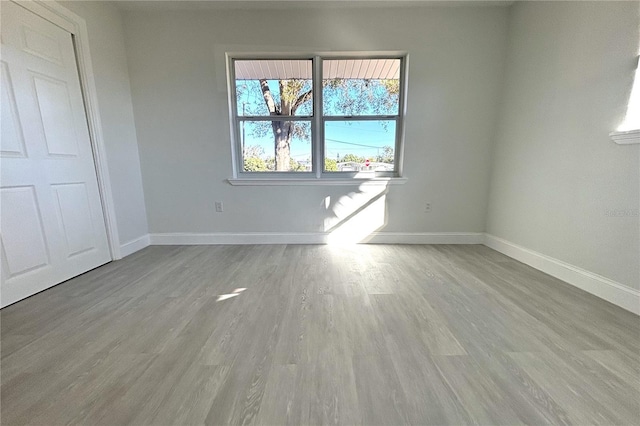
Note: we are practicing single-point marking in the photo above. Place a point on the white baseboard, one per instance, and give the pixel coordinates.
(135, 245)
(183, 238)
(609, 290)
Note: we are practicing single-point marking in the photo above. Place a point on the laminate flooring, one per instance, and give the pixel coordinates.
(311, 334)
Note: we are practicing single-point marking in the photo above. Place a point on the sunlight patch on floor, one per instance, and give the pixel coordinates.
(234, 293)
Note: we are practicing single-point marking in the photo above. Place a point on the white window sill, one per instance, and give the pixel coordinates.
(626, 138)
(313, 181)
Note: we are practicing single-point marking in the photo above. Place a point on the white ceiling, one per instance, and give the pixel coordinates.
(272, 69)
(377, 69)
(384, 69)
(169, 5)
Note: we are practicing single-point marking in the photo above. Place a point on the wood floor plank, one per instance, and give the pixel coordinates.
(584, 399)
(484, 401)
(311, 335)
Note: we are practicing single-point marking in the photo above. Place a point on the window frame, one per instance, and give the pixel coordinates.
(317, 120)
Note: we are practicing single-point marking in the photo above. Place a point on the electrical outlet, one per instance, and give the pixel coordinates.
(219, 207)
(427, 208)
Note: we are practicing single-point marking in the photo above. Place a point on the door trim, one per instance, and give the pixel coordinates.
(76, 25)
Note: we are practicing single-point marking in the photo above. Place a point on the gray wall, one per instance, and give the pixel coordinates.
(104, 25)
(556, 172)
(177, 70)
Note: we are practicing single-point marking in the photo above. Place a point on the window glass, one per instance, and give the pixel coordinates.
(357, 146)
(353, 87)
(273, 87)
(263, 152)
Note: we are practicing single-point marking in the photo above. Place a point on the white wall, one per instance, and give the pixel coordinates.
(556, 173)
(104, 25)
(177, 70)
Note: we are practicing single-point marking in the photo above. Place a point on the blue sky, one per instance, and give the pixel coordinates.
(362, 138)
(339, 137)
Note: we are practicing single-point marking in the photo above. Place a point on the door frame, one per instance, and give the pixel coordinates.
(76, 25)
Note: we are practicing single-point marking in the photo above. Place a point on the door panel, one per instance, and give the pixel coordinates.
(40, 44)
(12, 139)
(22, 231)
(56, 115)
(52, 223)
(74, 217)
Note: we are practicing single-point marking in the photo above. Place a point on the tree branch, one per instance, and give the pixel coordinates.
(268, 98)
(301, 100)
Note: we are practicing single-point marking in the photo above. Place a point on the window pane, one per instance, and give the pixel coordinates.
(352, 87)
(266, 148)
(359, 145)
(273, 87)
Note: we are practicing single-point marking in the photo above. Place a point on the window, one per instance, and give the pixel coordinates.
(317, 116)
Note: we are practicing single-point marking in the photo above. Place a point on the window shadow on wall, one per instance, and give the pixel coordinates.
(356, 217)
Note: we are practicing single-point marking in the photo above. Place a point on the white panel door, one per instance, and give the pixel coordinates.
(51, 221)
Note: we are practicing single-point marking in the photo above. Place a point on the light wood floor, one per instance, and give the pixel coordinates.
(373, 334)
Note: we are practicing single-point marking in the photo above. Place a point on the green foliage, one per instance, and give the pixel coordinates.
(291, 89)
(294, 166)
(386, 156)
(360, 96)
(392, 86)
(253, 151)
(301, 130)
(271, 163)
(251, 101)
(352, 157)
(330, 165)
(255, 164)
(254, 161)
(249, 98)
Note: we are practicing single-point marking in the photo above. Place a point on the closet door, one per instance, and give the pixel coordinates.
(51, 220)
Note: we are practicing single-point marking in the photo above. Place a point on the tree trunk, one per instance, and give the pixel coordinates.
(282, 136)
(283, 130)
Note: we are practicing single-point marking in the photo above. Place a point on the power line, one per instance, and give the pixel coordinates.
(351, 143)
(360, 129)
